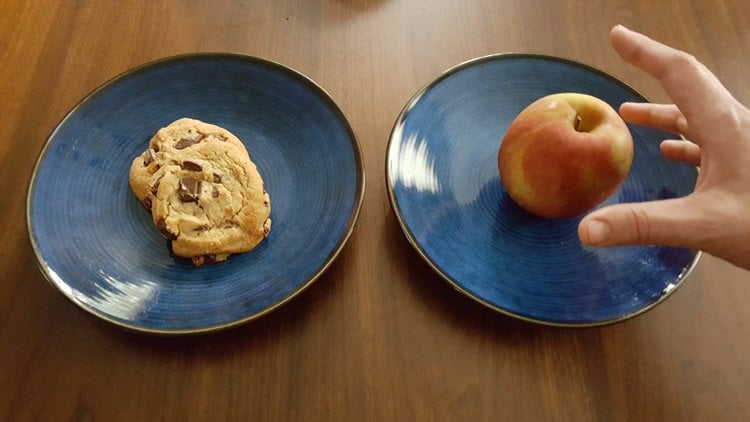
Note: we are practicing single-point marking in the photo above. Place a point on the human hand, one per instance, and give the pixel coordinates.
(715, 218)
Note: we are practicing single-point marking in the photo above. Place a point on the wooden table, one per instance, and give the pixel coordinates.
(380, 336)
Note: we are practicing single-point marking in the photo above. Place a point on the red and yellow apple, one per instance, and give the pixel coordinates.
(564, 154)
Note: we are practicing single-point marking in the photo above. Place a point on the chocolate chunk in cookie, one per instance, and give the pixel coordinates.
(191, 165)
(161, 226)
(189, 189)
(187, 142)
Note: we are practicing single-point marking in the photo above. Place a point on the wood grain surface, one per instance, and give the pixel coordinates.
(380, 336)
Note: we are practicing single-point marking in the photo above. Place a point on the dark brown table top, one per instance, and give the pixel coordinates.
(380, 336)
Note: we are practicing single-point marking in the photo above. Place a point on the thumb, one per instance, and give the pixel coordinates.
(670, 222)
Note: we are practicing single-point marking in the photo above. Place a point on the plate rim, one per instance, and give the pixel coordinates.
(153, 64)
(687, 271)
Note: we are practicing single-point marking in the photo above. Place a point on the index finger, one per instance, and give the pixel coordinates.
(688, 83)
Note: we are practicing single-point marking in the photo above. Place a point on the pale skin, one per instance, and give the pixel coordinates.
(715, 218)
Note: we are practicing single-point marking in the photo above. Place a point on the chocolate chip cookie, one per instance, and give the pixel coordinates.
(178, 137)
(204, 192)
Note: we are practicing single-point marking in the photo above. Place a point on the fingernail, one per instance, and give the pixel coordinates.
(598, 232)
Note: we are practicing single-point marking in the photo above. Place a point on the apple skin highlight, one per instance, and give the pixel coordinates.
(564, 154)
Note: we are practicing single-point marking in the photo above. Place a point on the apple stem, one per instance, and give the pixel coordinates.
(578, 124)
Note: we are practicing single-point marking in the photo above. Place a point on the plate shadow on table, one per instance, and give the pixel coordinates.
(583, 350)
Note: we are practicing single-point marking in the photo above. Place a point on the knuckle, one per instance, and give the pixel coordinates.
(684, 59)
(734, 118)
(680, 63)
(640, 225)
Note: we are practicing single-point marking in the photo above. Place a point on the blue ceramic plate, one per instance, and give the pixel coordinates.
(97, 244)
(445, 190)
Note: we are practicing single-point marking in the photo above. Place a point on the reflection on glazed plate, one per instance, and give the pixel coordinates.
(97, 244)
(445, 190)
